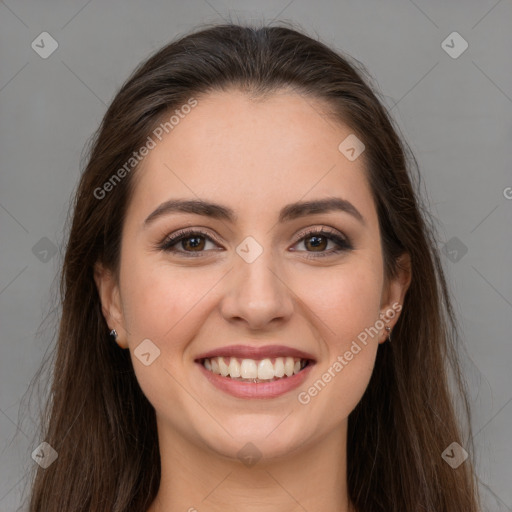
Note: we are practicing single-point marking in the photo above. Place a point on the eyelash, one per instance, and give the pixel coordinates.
(342, 242)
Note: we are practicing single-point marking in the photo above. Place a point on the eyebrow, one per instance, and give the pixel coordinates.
(289, 212)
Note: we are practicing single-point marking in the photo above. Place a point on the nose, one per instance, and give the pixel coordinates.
(258, 293)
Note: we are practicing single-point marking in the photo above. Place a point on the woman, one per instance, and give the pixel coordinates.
(255, 316)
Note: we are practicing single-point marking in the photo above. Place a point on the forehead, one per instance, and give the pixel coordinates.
(252, 155)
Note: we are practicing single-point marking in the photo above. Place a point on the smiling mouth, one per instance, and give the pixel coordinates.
(255, 370)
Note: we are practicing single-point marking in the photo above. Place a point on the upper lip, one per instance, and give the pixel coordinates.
(248, 352)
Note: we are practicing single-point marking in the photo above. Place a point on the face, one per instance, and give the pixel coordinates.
(261, 285)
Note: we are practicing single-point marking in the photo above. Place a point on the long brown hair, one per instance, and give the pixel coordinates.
(97, 418)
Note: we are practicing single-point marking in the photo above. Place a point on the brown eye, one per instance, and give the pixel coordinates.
(316, 241)
(192, 242)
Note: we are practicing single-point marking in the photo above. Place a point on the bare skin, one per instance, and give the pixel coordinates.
(254, 157)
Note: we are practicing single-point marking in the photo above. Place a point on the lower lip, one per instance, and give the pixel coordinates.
(271, 389)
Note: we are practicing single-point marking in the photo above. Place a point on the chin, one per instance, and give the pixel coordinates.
(257, 436)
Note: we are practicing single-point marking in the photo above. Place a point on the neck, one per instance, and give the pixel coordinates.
(195, 479)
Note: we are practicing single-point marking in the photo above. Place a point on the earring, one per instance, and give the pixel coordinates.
(388, 329)
(113, 333)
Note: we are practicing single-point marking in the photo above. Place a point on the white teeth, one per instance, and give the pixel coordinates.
(252, 369)
(248, 369)
(215, 365)
(279, 367)
(234, 367)
(224, 368)
(288, 366)
(266, 369)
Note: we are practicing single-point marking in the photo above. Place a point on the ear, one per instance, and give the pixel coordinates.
(110, 298)
(393, 293)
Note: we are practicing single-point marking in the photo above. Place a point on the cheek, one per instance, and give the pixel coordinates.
(346, 300)
(164, 302)
(349, 379)
(346, 305)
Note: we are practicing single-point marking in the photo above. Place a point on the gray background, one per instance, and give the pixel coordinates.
(455, 113)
